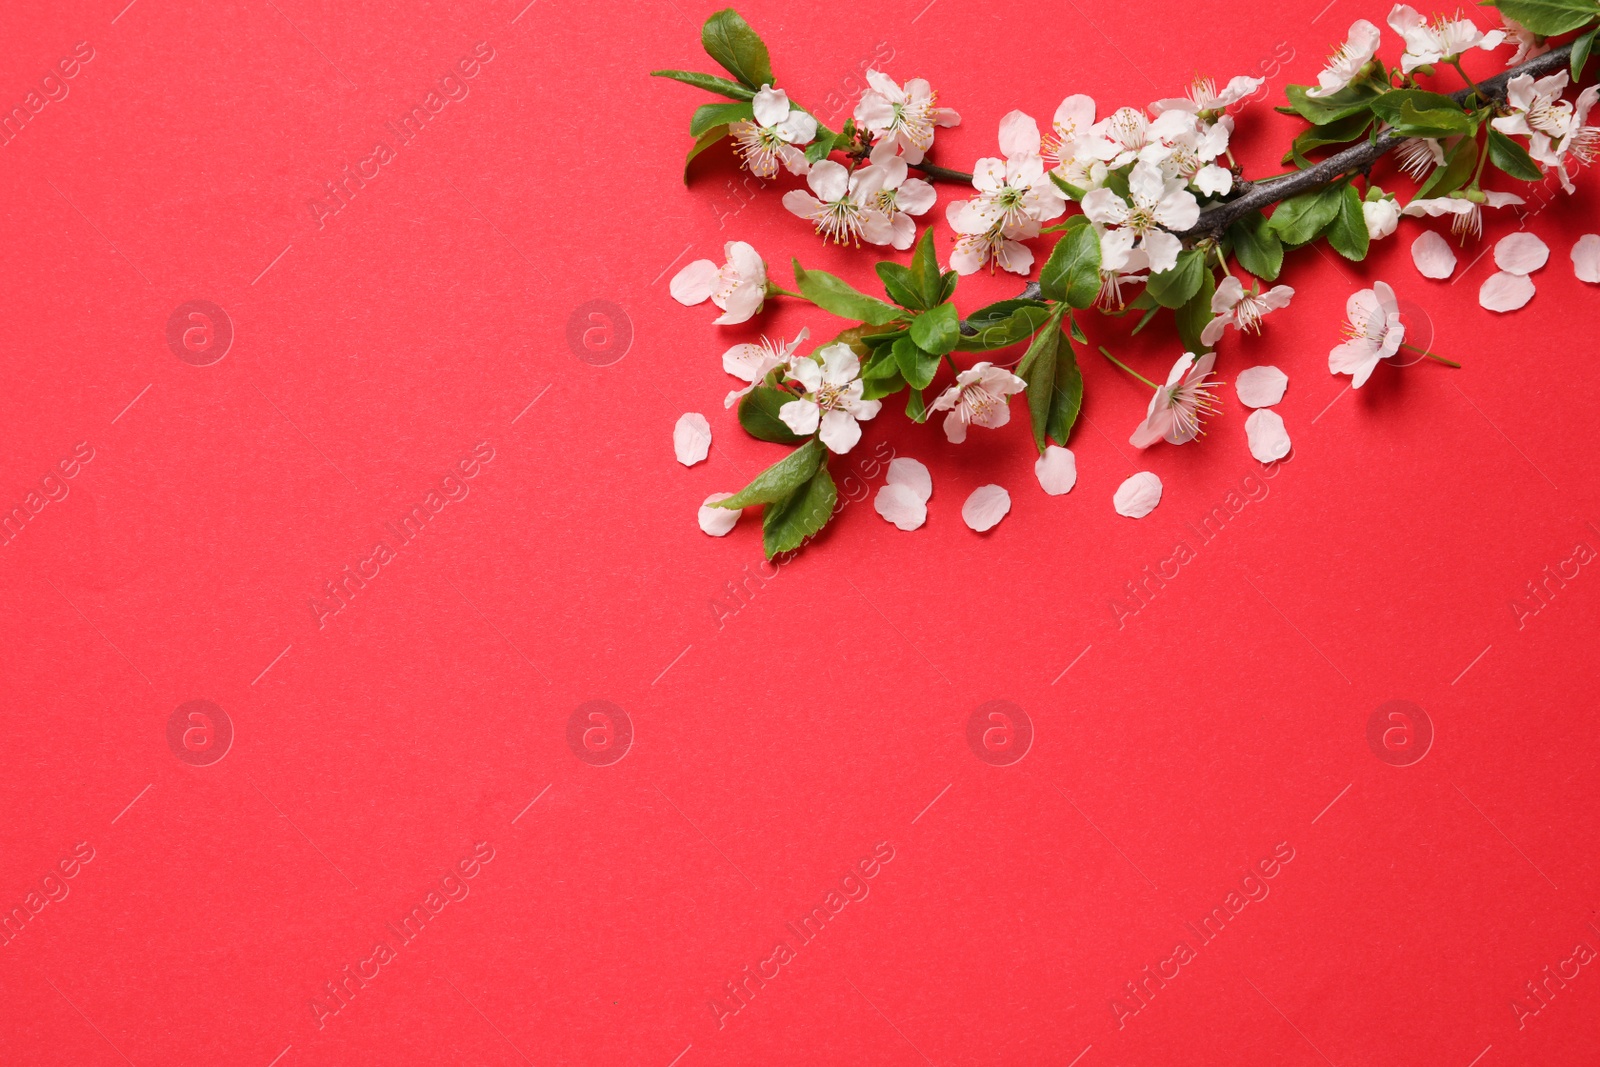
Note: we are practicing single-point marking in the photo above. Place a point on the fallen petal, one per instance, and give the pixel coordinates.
(901, 505)
(718, 521)
(1269, 441)
(1520, 253)
(691, 438)
(1506, 292)
(987, 505)
(1057, 470)
(1260, 387)
(1586, 258)
(1138, 496)
(911, 474)
(1433, 256)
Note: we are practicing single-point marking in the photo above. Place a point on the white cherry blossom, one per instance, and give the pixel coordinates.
(1233, 306)
(738, 287)
(843, 205)
(1179, 407)
(1186, 147)
(1349, 59)
(1205, 99)
(979, 398)
(832, 401)
(1117, 139)
(1374, 330)
(1119, 262)
(1529, 44)
(752, 363)
(1064, 148)
(900, 197)
(773, 136)
(902, 118)
(1467, 220)
(1155, 205)
(1440, 41)
(1382, 216)
(980, 240)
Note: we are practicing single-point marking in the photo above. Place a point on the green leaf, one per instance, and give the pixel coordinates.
(1321, 110)
(1299, 219)
(947, 285)
(1256, 247)
(898, 283)
(730, 41)
(1070, 191)
(1055, 385)
(1511, 157)
(1419, 113)
(1195, 315)
(1342, 131)
(925, 277)
(819, 149)
(1173, 288)
(1460, 163)
(1550, 17)
(786, 523)
(834, 294)
(707, 139)
(709, 82)
(937, 330)
(1580, 53)
(1003, 324)
(1072, 273)
(1077, 331)
(710, 116)
(917, 365)
(758, 414)
(916, 406)
(1348, 234)
(780, 479)
(1144, 320)
(881, 375)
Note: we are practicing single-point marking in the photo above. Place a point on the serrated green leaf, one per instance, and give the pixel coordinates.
(818, 150)
(728, 39)
(709, 82)
(1076, 330)
(834, 294)
(880, 377)
(1173, 288)
(1072, 273)
(1419, 113)
(710, 116)
(1299, 219)
(706, 140)
(1321, 110)
(1550, 17)
(1003, 324)
(1580, 53)
(917, 365)
(1194, 316)
(1511, 157)
(780, 479)
(786, 523)
(947, 285)
(1055, 385)
(1256, 247)
(926, 281)
(1348, 233)
(1343, 131)
(898, 283)
(937, 330)
(916, 406)
(758, 414)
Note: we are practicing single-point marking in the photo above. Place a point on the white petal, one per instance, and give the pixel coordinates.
(695, 283)
(840, 430)
(746, 362)
(691, 438)
(741, 305)
(1162, 248)
(1138, 496)
(1057, 470)
(1433, 256)
(1521, 253)
(1586, 258)
(1019, 135)
(1213, 180)
(718, 521)
(904, 470)
(901, 505)
(1506, 292)
(800, 416)
(1269, 441)
(771, 106)
(829, 180)
(1260, 387)
(984, 509)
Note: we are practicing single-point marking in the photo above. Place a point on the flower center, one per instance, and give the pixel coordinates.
(829, 396)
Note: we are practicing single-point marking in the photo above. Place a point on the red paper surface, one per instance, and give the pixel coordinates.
(785, 732)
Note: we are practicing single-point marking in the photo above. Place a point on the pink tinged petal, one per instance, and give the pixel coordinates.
(1138, 496)
(1214, 330)
(1163, 249)
(801, 203)
(1496, 199)
(1433, 256)
(1276, 298)
(695, 283)
(1075, 115)
(1057, 470)
(746, 261)
(746, 362)
(874, 112)
(741, 305)
(798, 128)
(1260, 387)
(800, 416)
(1156, 426)
(1356, 357)
(989, 174)
(901, 505)
(1506, 292)
(1586, 258)
(1019, 135)
(691, 438)
(1014, 257)
(1105, 207)
(829, 180)
(911, 474)
(984, 509)
(865, 410)
(916, 196)
(718, 521)
(1521, 253)
(1178, 209)
(808, 372)
(840, 431)
(1269, 441)
(1146, 183)
(1384, 293)
(771, 105)
(903, 232)
(876, 228)
(955, 427)
(1229, 293)
(840, 365)
(968, 259)
(885, 86)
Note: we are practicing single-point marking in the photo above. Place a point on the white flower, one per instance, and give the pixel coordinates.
(1586, 258)
(1529, 44)
(1064, 148)
(1382, 217)
(752, 363)
(1537, 112)
(984, 509)
(1468, 212)
(691, 438)
(1179, 407)
(977, 399)
(1374, 330)
(1186, 147)
(1441, 41)
(1204, 99)
(903, 119)
(738, 287)
(1433, 256)
(980, 240)
(718, 521)
(899, 196)
(1417, 156)
(1117, 139)
(1057, 470)
(772, 137)
(1119, 262)
(1155, 205)
(1138, 496)
(845, 207)
(1269, 441)
(1233, 306)
(832, 398)
(1014, 198)
(1349, 59)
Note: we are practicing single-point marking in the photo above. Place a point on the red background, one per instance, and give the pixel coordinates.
(781, 735)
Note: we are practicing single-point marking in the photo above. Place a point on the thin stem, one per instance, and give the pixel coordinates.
(778, 290)
(1456, 63)
(953, 369)
(943, 174)
(1127, 368)
(1430, 355)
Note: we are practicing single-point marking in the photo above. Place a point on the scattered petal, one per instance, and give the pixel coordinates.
(900, 504)
(1269, 441)
(1260, 387)
(691, 438)
(1586, 258)
(1433, 256)
(1520, 253)
(1138, 496)
(913, 475)
(984, 509)
(1506, 292)
(718, 521)
(1057, 470)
